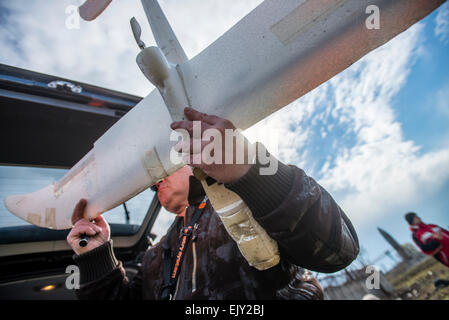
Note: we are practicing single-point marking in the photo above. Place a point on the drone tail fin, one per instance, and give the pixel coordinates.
(163, 33)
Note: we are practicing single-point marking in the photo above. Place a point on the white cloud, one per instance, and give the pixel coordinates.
(34, 36)
(442, 23)
(379, 171)
(382, 170)
(97, 53)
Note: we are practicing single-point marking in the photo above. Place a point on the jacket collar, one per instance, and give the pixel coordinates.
(196, 191)
(418, 226)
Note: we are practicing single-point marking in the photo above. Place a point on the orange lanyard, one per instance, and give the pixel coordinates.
(171, 278)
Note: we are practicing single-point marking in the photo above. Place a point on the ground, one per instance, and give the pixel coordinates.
(418, 282)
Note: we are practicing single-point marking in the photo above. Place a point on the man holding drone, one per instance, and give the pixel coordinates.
(202, 257)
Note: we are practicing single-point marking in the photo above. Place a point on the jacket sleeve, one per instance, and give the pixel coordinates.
(312, 231)
(429, 247)
(102, 276)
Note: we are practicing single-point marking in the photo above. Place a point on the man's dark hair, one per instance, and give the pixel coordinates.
(410, 216)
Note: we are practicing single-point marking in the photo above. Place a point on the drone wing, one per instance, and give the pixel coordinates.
(123, 162)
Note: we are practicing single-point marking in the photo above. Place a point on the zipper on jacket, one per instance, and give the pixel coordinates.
(194, 237)
(176, 290)
(177, 280)
(194, 268)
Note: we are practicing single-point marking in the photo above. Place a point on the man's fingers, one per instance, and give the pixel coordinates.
(100, 221)
(78, 212)
(190, 127)
(186, 125)
(81, 229)
(192, 146)
(194, 115)
(84, 222)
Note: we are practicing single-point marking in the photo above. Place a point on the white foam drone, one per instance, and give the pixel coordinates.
(276, 54)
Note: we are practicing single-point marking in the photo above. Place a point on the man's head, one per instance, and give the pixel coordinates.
(412, 218)
(173, 191)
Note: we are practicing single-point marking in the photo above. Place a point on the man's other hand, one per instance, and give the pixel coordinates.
(98, 230)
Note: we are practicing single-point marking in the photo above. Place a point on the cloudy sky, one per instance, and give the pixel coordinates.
(376, 136)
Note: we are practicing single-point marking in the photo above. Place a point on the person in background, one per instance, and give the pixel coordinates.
(430, 238)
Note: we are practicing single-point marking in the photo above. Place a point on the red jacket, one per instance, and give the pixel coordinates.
(424, 235)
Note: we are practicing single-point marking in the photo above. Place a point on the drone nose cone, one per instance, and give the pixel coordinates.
(13, 204)
(31, 208)
(10, 200)
(17, 204)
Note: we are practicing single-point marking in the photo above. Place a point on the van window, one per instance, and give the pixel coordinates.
(23, 180)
